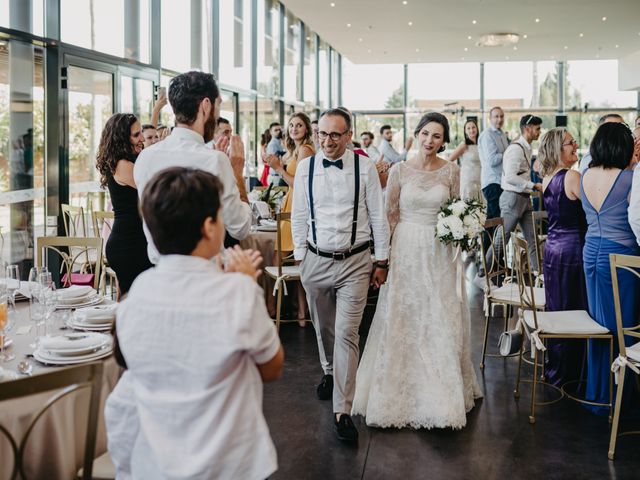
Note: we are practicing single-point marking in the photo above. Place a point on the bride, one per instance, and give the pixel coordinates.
(416, 367)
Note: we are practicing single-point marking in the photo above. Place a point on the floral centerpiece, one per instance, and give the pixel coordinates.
(460, 222)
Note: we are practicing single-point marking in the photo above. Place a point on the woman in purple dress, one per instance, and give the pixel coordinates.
(565, 287)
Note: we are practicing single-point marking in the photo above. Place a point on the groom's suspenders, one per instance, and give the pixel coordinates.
(356, 199)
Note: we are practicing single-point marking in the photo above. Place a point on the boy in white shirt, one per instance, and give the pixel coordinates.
(198, 344)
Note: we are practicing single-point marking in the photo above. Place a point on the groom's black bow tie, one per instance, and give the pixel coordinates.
(328, 163)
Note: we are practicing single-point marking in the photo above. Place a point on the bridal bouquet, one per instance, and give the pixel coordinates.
(460, 222)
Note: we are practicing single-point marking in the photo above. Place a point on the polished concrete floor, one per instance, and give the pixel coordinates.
(498, 443)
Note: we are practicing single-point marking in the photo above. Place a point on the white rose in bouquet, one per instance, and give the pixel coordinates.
(442, 228)
(458, 207)
(457, 227)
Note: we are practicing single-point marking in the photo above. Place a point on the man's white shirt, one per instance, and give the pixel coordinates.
(333, 194)
(186, 148)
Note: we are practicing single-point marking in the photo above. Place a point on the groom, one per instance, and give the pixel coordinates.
(337, 203)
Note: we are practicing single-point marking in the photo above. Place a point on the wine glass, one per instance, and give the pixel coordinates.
(50, 298)
(33, 290)
(12, 273)
(5, 325)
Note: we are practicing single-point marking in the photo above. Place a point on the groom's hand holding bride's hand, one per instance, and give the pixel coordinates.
(379, 275)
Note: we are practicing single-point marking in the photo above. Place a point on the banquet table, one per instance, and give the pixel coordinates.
(265, 243)
(56, 445)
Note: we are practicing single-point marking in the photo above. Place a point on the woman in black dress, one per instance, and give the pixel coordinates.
(126, 248)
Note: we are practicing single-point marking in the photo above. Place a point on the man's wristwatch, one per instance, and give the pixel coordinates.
(384, 264)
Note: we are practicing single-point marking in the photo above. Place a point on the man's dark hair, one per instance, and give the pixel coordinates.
(368, 134)
(186, 92)
(384, 127)
(338, 112)
(147, 126)
(612, 146)
(222, 120)
(175, 204)
(437, 118)
(274, 124)
(607, 116)
(314, 122)
(528, 120)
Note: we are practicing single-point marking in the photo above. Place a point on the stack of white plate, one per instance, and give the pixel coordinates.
(98, 318)
(78, 296)
(267, 225)
(73, 348)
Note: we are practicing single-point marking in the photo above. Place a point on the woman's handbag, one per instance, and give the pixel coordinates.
(510, 342)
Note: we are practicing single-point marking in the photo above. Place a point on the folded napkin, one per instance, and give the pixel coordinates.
(97, 314)
(26, 288)
(268, 223)
(74, 292)
(72, 341)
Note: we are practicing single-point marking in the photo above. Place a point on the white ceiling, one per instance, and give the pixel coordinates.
(380, 30)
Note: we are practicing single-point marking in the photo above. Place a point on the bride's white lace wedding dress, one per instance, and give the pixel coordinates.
(416, 367)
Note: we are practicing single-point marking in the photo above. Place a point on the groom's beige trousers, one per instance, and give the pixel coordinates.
(337, 294)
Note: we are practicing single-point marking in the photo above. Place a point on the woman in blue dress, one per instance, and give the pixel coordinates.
(605, 191)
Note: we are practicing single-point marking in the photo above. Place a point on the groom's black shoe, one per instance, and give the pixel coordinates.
(345, 429)
(325, 388)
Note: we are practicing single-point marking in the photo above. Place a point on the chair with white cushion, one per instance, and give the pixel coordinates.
(283, 271)
(497, 273)
(539, 326)
(629, 356)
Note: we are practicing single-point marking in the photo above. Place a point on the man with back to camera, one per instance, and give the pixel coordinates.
(386, 149)
(195, 99)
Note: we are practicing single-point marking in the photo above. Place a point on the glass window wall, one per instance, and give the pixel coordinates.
(292, 84)
(235, 43)
(268, 47)
(372, 87)
(310, 70)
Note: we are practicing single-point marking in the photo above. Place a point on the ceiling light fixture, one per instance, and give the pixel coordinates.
(348, 25)
(566, 48)
(617, 46)
(537, 20)
(404, 2)
(498, 39)
(360, 39)
(466, 49)
(410, 24)
(581, 35)
(332, 4)
(474, 22)
(604, 19)
(417, 50)
(469, 37)
(525, 36)
(515, 48)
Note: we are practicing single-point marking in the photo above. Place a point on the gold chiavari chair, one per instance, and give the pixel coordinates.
(103, 220)
(629, 356)
(66, 381)
(283, 271)
(540, 220)
(499, 288)
(69, 249)
(542, 325)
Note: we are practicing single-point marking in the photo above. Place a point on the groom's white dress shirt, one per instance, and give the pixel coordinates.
(192, 336)
(634, 204)
(333, 193)
(186, 148)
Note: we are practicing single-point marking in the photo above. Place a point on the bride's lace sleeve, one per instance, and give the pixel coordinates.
(393, 197)
(454, 180)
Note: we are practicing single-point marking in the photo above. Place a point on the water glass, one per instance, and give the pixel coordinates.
(12, 274)
(33, 290)
(6, 323)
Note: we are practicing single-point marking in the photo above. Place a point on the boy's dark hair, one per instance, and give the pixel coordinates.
(274, 124)
(175, 204)
(612, 146)
(186, 92)
(529, 120)
(222, 120)
(147, 126)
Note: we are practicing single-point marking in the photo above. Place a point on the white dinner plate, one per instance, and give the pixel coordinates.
(99, 341)
(94, 300)
(71, 360)
(262, 228)
(89, 327)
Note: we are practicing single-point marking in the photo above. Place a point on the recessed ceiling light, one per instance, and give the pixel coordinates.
(604, 19)
(525, 36)
(537, 20)
(404, 2)
(417, 50)
(348, 25)
(474, 22)
(515, 48)
(469, 37)
(582, 35)
(410, 24)
(466, 49)
(617, 46)
(369, 51)
(360, 39)
(332, 4)
(566, 48)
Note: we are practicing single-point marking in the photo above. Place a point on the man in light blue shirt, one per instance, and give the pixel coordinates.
(386, 149)
(491, 145)
(275, 147)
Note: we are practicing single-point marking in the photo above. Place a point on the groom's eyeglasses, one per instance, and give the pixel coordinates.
(335, 136)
